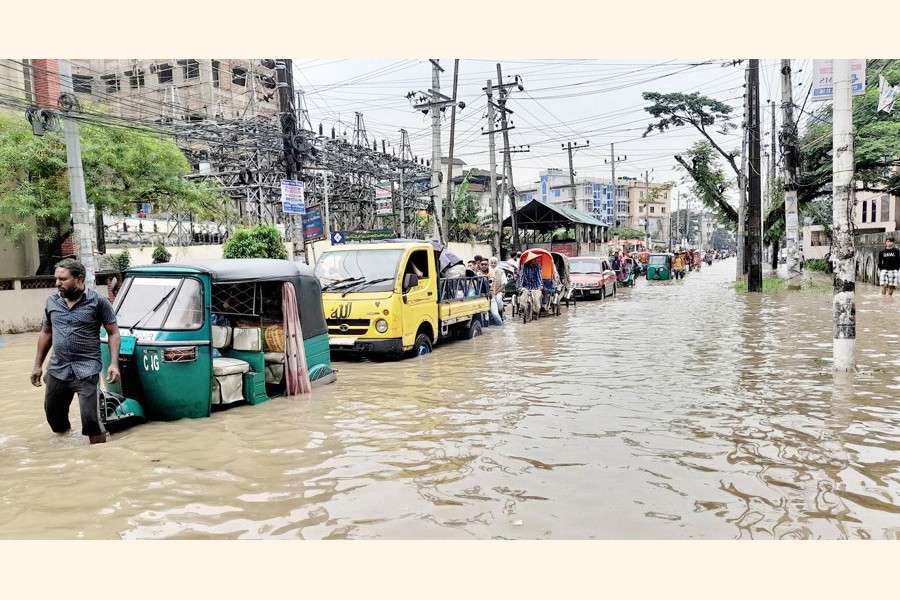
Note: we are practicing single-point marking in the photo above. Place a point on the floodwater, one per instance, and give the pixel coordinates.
(676, 410)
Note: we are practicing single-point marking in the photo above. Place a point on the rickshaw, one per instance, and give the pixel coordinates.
(200, 336)
(626, 275)
(550, 283)
(659, 266)
(565, 292)
(510, 292)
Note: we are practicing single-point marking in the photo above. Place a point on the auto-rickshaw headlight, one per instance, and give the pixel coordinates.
(381, 325)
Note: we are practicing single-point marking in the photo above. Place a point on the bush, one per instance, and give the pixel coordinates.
(260, 241)
(816, 264)
(160, 254)
(120, 261)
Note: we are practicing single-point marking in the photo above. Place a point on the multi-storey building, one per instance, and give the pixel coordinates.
(189, 89)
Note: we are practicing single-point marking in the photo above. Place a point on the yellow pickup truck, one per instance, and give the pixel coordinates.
(389, 299)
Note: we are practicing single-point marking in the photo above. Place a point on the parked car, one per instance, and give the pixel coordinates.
(592, 277)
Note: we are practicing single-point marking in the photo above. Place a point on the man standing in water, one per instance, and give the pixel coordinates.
(889, 265)
(71, 325)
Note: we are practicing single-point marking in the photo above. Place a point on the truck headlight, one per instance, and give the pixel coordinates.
(381, 325)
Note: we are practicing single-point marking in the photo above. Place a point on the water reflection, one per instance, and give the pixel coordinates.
(674, 410)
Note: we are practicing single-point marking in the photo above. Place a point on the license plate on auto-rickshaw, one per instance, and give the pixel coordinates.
(127, 344)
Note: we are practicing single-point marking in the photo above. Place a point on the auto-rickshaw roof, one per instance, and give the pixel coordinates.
(236, 269)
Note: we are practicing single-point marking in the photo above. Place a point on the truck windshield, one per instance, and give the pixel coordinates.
(148, 300)
(342, 269)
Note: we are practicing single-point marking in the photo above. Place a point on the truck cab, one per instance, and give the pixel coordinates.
(389, 299)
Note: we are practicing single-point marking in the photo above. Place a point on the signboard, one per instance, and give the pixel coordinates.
(823, 86)
(384, 205)
(292, 197)
(371, 235)
(312, 226)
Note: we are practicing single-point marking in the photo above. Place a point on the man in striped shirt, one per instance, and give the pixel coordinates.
(71, 325)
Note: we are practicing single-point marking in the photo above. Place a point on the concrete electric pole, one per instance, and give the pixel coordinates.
(81, 214)
(843, 251)
(495, 213)
(754, 205)
(789, 175)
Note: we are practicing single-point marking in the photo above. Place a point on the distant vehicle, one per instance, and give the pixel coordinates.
(592, 277)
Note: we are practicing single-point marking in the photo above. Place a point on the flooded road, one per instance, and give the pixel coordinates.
(675, 410)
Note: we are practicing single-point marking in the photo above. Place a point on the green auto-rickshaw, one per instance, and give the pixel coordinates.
(203, 335)
(659, 266)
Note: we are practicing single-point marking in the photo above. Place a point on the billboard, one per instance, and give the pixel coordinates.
(312, 226)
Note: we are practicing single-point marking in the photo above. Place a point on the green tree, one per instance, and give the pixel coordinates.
(122, 169)
(160, 254)
(260, 241)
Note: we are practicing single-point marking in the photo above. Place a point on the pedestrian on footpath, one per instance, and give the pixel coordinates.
(889, 267)
(71, 326)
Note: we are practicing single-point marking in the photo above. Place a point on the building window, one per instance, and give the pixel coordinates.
(135, 78)
(662, 209)
(665, 196)
(215, 73)
(865, 208)
(112, 83)
(556, 193)
(642, 194)
(653, 209)
(82, 83)
(238, 76)
(164, 74)
(190, 68)
(885, 208)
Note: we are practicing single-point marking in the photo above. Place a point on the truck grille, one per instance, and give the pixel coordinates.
(348, 326)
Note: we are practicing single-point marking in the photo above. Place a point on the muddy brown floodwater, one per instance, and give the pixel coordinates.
(675, 410)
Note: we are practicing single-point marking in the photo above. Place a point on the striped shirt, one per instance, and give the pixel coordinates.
(531, 276)
(76, 334)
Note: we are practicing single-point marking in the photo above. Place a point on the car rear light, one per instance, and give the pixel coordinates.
(180, 354)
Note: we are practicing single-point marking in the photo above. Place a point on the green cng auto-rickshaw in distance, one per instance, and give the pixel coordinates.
(659, 266)
(203, 335)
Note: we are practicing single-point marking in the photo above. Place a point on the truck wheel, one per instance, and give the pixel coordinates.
(474, 330)
(422, 345)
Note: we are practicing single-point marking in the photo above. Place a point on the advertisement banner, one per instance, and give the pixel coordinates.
(823, 84)
(292, 197)
(384, 205)
(312, 226)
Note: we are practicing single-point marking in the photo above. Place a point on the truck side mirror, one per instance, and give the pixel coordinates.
(410, 280)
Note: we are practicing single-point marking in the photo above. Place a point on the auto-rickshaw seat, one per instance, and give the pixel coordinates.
(229, 366)
(248, 339)
(221, 336)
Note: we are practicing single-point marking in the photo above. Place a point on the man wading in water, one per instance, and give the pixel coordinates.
(889, 265)
(71, 325)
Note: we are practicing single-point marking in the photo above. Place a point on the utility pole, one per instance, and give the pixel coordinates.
(503, 91)
(495, 216)
(574, 147)
(613, 159)
(789, 174)
(754, 208)
(677, 219)
(772, 161)
(741, 266)
(285, 85)
(405, 156)
(440, 227)
(435, 105)
(843, 252)
(449, 206)
(81, 220)
(647, 207)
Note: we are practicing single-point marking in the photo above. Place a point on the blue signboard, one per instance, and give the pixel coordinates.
(312, 226)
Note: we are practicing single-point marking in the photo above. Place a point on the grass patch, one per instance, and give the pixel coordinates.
(815, 264)
(770, 284)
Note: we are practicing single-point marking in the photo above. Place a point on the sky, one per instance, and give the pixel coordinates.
(564, 100)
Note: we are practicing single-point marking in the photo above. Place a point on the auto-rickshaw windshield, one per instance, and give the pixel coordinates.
(658, 259)
(339, 269)
(149, 301)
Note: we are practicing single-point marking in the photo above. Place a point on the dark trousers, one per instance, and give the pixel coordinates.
(58, 398)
